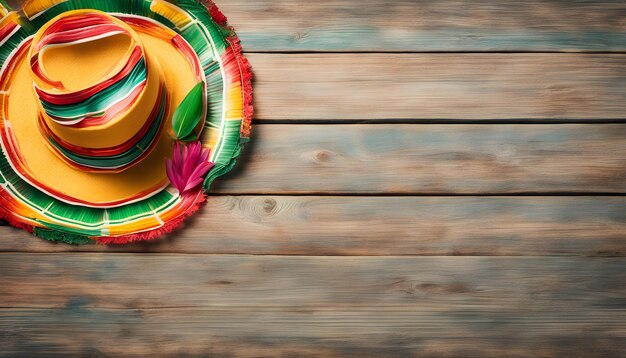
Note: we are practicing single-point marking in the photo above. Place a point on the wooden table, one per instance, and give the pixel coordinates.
(426, 178)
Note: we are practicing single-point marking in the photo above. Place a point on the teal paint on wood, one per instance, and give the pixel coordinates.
(423, 26)
(454, 40)
(432, 159)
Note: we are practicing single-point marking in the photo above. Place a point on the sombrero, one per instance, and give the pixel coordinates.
(116, 115)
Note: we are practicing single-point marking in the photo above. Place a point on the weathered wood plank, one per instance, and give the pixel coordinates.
(267, 332)
(421, 25)
(284, 225)
(439, 86)
(131, 305)
(432, 159)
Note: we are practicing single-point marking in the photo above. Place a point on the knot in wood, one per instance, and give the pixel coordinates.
(269, 205)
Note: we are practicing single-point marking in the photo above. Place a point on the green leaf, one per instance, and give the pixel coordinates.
(189, 112)
(191, 137)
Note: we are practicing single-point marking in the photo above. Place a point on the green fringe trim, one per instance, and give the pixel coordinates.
(218, 172)
(57, 236)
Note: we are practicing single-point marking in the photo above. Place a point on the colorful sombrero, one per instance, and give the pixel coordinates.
(116, 115)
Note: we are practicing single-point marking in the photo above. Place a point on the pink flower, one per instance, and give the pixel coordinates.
(188, 166)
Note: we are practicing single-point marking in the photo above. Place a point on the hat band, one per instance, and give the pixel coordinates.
(103, 104)
(117, 158)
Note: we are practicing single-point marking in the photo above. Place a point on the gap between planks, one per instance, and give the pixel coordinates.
(418, 52)
(243, 254)
(428, 195)
(442, 121)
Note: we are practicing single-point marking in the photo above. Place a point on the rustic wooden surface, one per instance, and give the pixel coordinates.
(426, 178)
(145, 305)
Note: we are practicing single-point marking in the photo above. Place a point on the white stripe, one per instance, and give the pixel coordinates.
(48, 207)
(189, 25)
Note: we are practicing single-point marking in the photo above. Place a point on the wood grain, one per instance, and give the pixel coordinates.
(431, 159)
(421, 25)
(413, 159)
(132, 305)
(284, 225)
(439, 87)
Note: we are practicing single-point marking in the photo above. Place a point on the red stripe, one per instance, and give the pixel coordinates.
(34, 65)
(183, 46)
(7, 29)
(75, 22)
(78, 20)
(78, 34)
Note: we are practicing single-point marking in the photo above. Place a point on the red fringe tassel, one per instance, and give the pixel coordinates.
(9, 219)
(246, 82)
(215, 13)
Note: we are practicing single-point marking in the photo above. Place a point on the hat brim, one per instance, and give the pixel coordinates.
(56, 201)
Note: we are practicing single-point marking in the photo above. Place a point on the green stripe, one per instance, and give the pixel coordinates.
(100, 102)
(123, 159)
(12, 43)
(159, 203)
